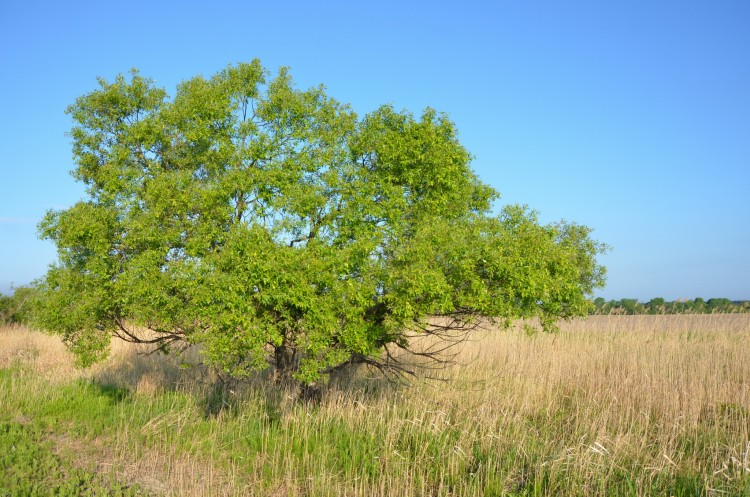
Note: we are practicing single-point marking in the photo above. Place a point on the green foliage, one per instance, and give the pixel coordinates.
(656, 305)
(5, 306)
(17, 308)
(660, 306)
(271, 224)
(719, 305)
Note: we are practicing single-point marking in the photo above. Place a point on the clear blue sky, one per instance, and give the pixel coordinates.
(630, 117)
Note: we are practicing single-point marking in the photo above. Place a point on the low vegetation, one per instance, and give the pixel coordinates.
(29, 466)
(612, 405)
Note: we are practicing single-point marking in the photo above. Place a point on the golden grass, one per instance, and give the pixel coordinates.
(46, 354)
(642, 397)
(128, 365)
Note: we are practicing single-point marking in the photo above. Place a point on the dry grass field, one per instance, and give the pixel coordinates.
(611, 405)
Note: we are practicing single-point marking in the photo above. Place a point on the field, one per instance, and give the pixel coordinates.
(612, 405)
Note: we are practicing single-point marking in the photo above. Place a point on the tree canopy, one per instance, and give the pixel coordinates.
(272, 225)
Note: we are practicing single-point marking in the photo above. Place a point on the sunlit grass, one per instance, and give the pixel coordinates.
(628, 405)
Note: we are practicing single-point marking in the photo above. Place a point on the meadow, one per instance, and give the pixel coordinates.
(609, 406)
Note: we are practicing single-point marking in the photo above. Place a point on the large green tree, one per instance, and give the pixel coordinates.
(272, 226)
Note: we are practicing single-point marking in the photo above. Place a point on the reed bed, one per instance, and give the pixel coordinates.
(610, 405)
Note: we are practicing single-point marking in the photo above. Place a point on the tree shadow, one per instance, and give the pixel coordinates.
(144, 370)
(115, 394)
(220, 398)
(141, 370)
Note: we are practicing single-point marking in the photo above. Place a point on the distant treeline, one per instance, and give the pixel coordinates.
(661, 306)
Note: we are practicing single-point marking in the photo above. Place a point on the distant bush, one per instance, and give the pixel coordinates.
(661, 306)
(16, 308)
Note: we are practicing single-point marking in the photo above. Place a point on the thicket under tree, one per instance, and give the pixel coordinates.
(274, 227)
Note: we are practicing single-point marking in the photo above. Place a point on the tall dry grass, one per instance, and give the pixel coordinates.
(611, 405)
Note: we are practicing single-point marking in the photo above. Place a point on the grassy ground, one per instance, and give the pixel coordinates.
(629, 405)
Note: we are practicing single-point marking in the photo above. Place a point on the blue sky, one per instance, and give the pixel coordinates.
(630, 117)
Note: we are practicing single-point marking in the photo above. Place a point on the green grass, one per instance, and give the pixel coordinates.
(29, 464)
(29, 467)
(551, 429)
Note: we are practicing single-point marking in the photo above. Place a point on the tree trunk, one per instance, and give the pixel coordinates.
(286, 362)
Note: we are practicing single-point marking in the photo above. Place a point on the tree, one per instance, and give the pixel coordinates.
(272, 226)
(656, 305)
(6, 303)
(719, 305)
(630, 306)
(16, 308)
(699, 305)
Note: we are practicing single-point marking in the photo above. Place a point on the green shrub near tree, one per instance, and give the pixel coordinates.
(17, 307)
